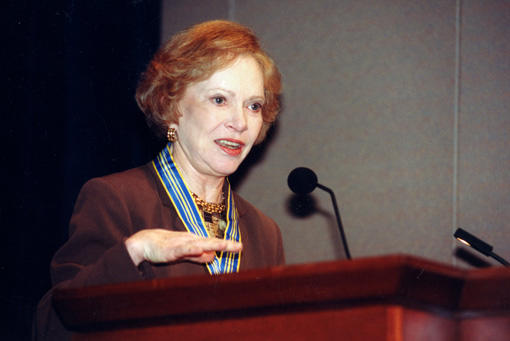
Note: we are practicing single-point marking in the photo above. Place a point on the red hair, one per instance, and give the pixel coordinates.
(194, 55)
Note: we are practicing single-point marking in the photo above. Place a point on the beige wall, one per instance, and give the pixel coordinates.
(401, 107)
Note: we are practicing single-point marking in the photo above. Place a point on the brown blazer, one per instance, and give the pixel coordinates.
(112, 208)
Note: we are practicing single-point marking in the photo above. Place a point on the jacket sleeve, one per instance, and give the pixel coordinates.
(95, 253)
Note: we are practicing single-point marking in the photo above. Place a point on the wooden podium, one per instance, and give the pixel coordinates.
(385, 298)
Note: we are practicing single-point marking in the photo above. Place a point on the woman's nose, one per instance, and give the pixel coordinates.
(237, 119)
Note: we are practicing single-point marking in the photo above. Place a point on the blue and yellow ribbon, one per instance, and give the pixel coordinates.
(188, 212)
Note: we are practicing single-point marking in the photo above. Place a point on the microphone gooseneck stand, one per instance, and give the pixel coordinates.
(338, 219)
(303, 180)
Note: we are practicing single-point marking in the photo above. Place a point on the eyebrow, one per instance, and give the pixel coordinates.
(232, 93)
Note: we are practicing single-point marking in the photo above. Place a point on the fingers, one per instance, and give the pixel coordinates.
(202, 250)
(206, 257)
(209, 246)
(215, 244)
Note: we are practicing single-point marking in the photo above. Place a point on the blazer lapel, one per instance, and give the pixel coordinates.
(175, 221)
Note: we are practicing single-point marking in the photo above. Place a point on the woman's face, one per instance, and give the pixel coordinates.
(221, 119)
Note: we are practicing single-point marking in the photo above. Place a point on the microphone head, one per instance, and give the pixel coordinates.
(302, 180)
(469, 239)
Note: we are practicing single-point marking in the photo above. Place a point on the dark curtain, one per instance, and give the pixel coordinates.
(69, 114)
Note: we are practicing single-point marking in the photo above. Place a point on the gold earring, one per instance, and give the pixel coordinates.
(171, 134)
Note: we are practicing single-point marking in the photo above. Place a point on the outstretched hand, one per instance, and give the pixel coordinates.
(163, 246)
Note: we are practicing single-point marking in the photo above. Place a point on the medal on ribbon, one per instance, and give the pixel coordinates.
(186, 208)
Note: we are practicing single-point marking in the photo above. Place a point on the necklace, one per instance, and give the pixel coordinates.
(213, 215)
(209, 207)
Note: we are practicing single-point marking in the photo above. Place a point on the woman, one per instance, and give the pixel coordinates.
(213, 93)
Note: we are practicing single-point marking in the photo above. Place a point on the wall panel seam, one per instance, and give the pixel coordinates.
(456, 105)
(232, 10)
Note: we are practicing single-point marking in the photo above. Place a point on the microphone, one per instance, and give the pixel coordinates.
(303, 180)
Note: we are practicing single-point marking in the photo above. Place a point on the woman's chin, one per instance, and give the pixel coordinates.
(229, 164)
(226, 169)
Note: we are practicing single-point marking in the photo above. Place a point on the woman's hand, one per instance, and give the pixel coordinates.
(163, 246)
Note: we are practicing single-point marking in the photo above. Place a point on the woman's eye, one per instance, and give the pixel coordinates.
(255, 107)
(219, 100)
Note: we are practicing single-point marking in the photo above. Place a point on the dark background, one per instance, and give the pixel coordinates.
(69, 114)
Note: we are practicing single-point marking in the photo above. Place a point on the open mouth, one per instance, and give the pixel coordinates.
(231, 147)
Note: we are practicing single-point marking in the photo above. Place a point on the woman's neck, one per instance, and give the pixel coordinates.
(209, 190)
(205, 186)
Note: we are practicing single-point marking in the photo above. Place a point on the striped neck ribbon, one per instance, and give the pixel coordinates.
(180, 195)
